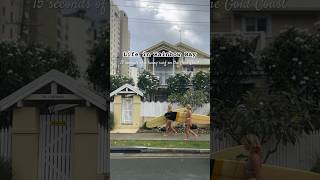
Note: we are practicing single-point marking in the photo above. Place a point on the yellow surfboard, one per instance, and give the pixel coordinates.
(225, 167)
(180, 118)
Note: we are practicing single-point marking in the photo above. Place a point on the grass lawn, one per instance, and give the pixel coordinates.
(162, 143)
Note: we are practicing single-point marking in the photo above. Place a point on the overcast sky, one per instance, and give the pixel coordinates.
(152, 21)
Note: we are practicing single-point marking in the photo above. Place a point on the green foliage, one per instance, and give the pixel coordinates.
(178, 84)
(97, 70)
(148, 83)
(201, 81)
(233, 62)
(194, 98)
(22, 63)
(144, 126)
(279, 117)
(111, 121)
(316, 166)
(5, 169)
(292, 63)
(120, 80)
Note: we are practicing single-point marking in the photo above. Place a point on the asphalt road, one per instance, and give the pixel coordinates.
(150, 167)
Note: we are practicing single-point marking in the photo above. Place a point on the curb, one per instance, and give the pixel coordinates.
(158, 150)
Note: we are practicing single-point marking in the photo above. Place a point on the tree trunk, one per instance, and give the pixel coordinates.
(272, 151)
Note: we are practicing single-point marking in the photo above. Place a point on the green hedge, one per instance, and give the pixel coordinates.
(316, 166)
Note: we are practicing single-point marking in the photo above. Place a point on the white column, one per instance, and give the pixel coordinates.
(173, 68)
(153, 65)
(145, 63)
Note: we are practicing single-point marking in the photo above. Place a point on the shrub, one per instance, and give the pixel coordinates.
(316, 166)
(111, 121)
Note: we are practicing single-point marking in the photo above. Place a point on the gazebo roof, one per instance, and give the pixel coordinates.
(127, 89)
(53, 76)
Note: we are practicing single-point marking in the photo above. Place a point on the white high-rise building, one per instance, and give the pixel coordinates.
(20, 20)
(74, 26)
(119, 41)
(10, 18)
(134, 74)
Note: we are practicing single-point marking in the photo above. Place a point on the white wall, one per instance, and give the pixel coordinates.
(153, 109)
(302, 155)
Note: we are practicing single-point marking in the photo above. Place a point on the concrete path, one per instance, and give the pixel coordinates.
(157, 136)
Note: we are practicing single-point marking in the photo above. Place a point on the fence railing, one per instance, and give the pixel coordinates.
(102, 150)
(5, 142)
(301, 155)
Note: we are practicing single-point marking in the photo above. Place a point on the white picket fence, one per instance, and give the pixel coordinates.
(5, 143)
(5, 147)
(302, 155)
(103, 160)
(152, 109)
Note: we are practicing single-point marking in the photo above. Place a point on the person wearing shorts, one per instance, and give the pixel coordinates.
(170, 118)
(188, 122)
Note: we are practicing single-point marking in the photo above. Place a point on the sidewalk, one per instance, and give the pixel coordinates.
(157, 136)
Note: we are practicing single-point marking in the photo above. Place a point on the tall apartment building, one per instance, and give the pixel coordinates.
(77, 34)
(73, 31)
(10, 13)
(20, 20)
(134, 74)
(119, 41)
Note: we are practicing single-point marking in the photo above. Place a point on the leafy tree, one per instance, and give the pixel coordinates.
(292, 63)
(148, 83)
(98, 72)
(274, 119)
(194, 98)
(178, 84)
(201, 81)
(120, 80)
(22, 63)
(233, 62)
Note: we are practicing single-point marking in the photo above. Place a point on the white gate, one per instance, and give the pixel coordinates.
(55, 146)
(5, 143)
(126, 110)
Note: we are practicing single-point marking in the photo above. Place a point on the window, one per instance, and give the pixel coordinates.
(250, 24)
(59, 21)
(254, 24)
(58, 34)
(11, 33)
(3, 29)
(190, 68)
(11, 16)
(3, 11)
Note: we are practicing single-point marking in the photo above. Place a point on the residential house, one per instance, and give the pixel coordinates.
(253, 19)
(164, 67)
(263, 20)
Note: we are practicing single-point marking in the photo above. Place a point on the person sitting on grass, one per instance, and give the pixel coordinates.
(170, 118)
(188, 122)
(253, 165)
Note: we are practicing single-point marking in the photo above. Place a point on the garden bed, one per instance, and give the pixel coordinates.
(179, 129)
